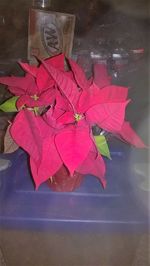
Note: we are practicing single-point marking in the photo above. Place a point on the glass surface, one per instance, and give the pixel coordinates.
(41, 3)
(114, 33)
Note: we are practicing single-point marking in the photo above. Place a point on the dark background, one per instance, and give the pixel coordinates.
(100, 25)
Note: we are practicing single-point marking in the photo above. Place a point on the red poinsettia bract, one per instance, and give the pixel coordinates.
(63, 135)
(37, 87)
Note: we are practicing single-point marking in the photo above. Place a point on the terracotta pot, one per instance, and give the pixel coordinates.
(63, 182)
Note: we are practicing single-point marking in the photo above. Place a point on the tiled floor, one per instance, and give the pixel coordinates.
(24, 248)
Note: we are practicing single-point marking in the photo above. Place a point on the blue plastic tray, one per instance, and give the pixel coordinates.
(118, 208)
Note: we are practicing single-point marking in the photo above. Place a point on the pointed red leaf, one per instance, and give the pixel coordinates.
(57, 61)
(16, 91)
(17, 85)
(67, 87)
(88, 98)
(62, 105)
(79, 74)
(45, 99)
(66, 118)
(25, 100)
(51, 120)
(44, 79)
(101, 77)
(93, 96)
(129, 135)
(113, 93)
(25, 84)
(28, 131)
(109, 116)
(70, 75)
(73, 145)
(93, 165)
(50, 162)
(31, 87)
(57, 113)
(29, 69)
(61, 102)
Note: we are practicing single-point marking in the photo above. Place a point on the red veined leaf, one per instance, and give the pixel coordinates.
(66, 118)
(29, 69)
(62, 105)
(24, 86)
(13, 81)
(16, 91)
(28, 132)
(50, 162)
(93, 96)
(61, 102)
(73, 145)
(16, 84)
(50, 119)
(45, 99)
(48, 96)
(44, 79)
(79, 74)
(67, 87)
(25, 100)
(20, 85)
(57, 61)
(113, 93)
(70, 75)
(129, 135)
(93, 165)
(57, 113)
(109, 116)
(31, 86)
(88, 98)
(101, 77)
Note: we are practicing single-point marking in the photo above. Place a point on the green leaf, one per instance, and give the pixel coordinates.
(9, 105)
(102, 145)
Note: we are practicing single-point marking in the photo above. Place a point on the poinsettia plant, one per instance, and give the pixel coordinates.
(56, 109)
